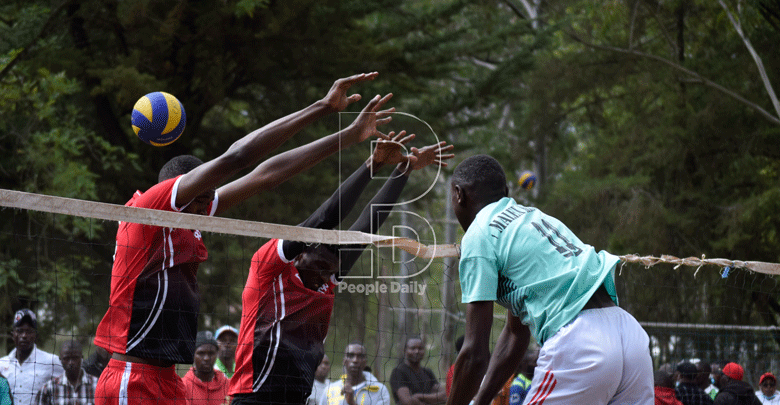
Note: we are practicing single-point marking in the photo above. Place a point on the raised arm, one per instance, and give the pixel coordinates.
(283, 166)
(341, 202)
(249, 149)
(378, 209)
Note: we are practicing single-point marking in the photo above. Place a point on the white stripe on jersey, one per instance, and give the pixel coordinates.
(266, 371)
(168, 248)
(155, 312)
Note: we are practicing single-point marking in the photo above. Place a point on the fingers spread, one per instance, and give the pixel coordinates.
(383, 100)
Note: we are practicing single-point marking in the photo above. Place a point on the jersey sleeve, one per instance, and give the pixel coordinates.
(478, 267)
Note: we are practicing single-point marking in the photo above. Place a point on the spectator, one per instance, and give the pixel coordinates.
(717, 373)
(5, 392)
(28, 368)
(413, 384)
(525, 374)
(767, 393)
(734, 391)
(704, 380)
(227, 337)
(356, 386)
(203, 384)
(688, 391)
(451, 371)
(664, 387)
(321, 381)
(96, 362)
(75, 387)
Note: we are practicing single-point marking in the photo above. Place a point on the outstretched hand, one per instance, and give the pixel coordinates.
(371, 117)
(389, 149)
(337, 99)
(431, 154)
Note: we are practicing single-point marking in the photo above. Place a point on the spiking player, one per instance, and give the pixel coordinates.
(555, 288)
(152, 318)
(288, 298)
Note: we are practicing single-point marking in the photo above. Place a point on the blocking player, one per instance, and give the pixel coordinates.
(288, 297)
(555, 288)
(152, 317)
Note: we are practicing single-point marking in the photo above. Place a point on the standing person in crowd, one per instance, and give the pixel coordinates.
(5, 392)
(321, 381)
(521, 385)
(717, 373)
(288, 297)
(767, 392)
(451, 371)
(413, 384)
(734, 391)
(688, 390)
(664, 387)
(560, 291)
(27, 367)
(203, 384)
(227, 337)
(704, 379)
(152, 316)
(356, 386)
(75, 387)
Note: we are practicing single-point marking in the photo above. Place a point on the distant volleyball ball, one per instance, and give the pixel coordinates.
(527, 180)
(158, 118)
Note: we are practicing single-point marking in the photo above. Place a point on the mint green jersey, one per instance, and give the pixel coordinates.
(531, 264)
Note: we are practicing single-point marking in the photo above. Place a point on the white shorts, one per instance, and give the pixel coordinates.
(601, 357)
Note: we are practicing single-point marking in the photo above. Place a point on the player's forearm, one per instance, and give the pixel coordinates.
(262, 141)
(338, 206)
(508, 352)
(469, 368)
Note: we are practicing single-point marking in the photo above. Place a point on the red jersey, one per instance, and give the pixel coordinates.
(200, 392)
(283, 327)
(154, 303)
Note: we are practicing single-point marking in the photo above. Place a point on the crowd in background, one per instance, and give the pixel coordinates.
(31, 376)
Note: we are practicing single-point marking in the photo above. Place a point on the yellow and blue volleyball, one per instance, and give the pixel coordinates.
(527, 180)
(158, 118)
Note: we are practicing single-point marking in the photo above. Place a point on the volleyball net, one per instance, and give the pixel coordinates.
(403, 285)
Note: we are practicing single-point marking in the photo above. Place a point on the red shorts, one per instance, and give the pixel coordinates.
(124, 383)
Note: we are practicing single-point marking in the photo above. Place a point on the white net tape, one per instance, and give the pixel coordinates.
(113, 212)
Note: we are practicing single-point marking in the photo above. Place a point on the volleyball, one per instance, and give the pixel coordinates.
(527, 180)
(158, 118)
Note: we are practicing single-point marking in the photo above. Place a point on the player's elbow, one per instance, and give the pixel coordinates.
(475, 357)
(238, 157)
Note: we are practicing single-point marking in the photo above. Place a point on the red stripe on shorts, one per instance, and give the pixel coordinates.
(545, 389)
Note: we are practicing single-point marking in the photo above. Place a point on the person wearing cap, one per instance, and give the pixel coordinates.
(688, 391)
(205, 385)
(75, 387)
(767, 393)
(227, 337)
(734, 391)
(27, 367)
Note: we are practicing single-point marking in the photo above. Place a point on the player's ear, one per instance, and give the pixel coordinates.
(458, 193)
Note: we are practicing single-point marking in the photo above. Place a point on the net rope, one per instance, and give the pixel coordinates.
(106, 211)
